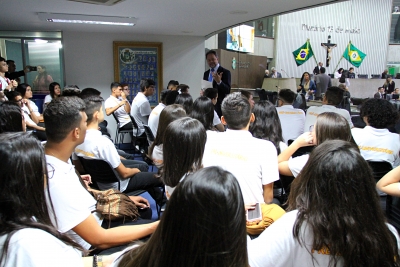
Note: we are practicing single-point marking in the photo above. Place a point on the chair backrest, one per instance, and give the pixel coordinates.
(149, 133)
(100, 170)
(380, 168)
(116, 119)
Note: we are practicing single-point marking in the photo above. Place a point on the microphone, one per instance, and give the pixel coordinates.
(285, 72)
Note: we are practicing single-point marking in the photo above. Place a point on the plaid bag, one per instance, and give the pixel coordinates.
(114, 205)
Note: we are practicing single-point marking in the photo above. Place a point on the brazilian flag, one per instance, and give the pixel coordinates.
(354, 55)
(303, 54)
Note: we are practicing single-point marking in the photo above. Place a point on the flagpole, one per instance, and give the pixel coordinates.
(316, 62)
(348, 50)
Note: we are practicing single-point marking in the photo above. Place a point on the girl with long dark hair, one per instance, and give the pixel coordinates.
(204, 225)
(334, 217)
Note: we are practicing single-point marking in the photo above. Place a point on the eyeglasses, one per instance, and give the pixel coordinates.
(311, 128)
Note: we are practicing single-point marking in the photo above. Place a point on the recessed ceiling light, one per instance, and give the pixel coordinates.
(87, 19)
(40, 41)
(238, 12)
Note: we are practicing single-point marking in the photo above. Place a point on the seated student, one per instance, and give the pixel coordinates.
(252, 161)
(183, 89)
(331, 204)
(292, 119)
(26, 92)
(186, 101)
(266, 125)
(154, 117)
(203, 111)
(168, 115)
(332, 98)
(31, 119)
(375, 141)
(390, 183)
(329, 126)
(119, 105)
(212, 93)
(27, 236)
(207, 235)
(183, 147)
(73, 205)
(249, 97)
(172, 85)
(10, 118)
(55, 91)
(98, 146)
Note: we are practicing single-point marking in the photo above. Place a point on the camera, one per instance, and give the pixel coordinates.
(33, 68)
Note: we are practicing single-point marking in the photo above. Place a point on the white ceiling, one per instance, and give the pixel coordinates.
(155, 17)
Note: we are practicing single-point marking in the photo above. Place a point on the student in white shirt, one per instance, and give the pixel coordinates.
(141, 109)
(267, 125)
(292, 119)
(204, 224)
(183, 148)
(252, 161)
(332, 98)
(119, 105)
(154, 117)
(55, 91)
(212, 93)
(27, 236)
(331, 205)
(73, 205)
(26, 92)
(203, 110)
(329, 126)
(375, 141)
(168, 115)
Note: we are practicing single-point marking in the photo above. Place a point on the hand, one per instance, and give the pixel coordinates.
(136, 171)
(87, 178)
(217, 76)
(123, 102)
(27, 68)
(306, 139)
(27, 103)
(123, 95)
(14, 83)
(140, 202)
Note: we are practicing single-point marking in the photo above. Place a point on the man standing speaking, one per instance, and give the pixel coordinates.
(220, 78)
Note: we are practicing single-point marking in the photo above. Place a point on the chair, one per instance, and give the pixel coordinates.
(379, 168)
(282, 189)
(141, 141)
(375, 76)
(357, 121)
(119, 134)
(362, 76)
(393, 210)
(149, 134)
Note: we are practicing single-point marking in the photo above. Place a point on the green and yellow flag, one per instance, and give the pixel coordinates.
(303, 54)
(353, 55)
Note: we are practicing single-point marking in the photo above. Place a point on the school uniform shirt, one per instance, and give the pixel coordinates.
(377, 144)
(292, 122)
(27, 114)
(99, 146)
(34, 108)
(37, 248)
(71, 201)
(314, 111)
(216, 119)
(157, 156)
(121, 114)
(254, 162)
(297, 164)
(140, 111)
(277, 247)
(154, 118)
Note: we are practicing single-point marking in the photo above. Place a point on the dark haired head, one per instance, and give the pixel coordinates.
(246, 94)
(11, 95)
(203, 110)
(51, 88)
(211, 93)
(211, 241)
(267, 125)
(183, 88)
(115, 85)
(171, 97)
(22, 188)
(334, 95)
(211, 52)
(303, 75)
(88, 92)
(145, 83)
(336, 198)
(236, 111)
(62, 115)
(163, 95)
(92, 104)
(287, 96)
(3, 59)
(71, 90)
(186, 101)
(340, 70)
(322, 70)
(172, 82)
(183, 148)
(11, 118)
(21, 88)
(379, 113)
(167, 115)
(332, 126)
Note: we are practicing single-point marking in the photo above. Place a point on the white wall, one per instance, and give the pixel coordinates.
(89, 60)
(372, 17)
(393, 53)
